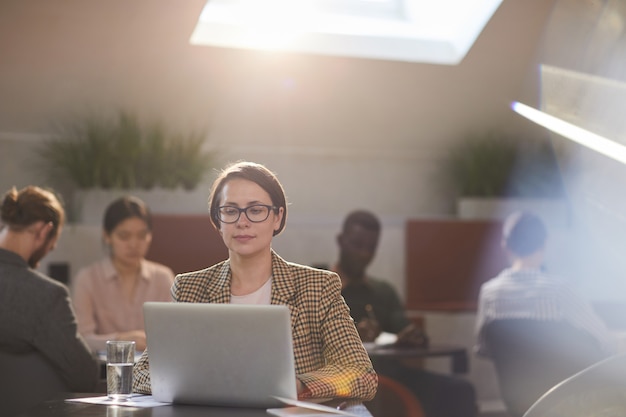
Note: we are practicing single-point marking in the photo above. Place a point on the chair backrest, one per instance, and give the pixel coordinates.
(394, 400)
(25, 381)
(599, 390)
(531, 356)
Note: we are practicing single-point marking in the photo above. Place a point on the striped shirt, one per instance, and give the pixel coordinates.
(533, 294)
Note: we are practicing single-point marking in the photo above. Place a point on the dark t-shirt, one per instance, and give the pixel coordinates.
(386, 305)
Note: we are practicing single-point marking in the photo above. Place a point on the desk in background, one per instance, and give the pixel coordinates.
(457, 354)
(58, 407)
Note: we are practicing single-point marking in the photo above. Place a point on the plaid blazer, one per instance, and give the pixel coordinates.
(329, 356)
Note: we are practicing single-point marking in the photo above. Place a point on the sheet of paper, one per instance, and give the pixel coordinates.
(310, 406)
(297, 412)
(137, 400)
(386, 339)
(383, 339)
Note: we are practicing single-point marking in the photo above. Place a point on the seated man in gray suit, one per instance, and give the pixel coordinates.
(36, 318)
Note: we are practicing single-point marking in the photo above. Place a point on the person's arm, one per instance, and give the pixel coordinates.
(480, 347)
(141, 375)
(57, 338)
(393, 317)
(141, 370)
(347, 369)
(82, 298)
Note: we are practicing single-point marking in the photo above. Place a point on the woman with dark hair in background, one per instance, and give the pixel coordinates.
(109, 294)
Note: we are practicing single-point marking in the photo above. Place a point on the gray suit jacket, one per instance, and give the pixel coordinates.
(36, 316)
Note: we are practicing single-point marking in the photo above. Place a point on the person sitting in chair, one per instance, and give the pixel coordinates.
(534, 327)
(375, 307)
(37, 324)
(109, 294)
(525, 290)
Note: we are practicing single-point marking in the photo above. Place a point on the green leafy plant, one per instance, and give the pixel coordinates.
(498, 166)
(123, 153)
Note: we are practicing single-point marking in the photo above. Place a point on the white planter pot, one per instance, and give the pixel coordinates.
(553, 211)
(89, 205)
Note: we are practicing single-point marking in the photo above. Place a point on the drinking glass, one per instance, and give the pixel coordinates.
(120, 361)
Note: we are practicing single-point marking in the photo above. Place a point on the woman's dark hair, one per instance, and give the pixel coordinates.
(256, 173)
(524, 233)
(124, 208)
(29, 205)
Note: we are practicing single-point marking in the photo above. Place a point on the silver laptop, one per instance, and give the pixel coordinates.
(220, 354)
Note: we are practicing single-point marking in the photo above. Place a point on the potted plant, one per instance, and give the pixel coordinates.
(100, 158)
(494, 174)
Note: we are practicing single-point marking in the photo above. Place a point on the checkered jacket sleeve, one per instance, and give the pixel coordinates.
(329, 356)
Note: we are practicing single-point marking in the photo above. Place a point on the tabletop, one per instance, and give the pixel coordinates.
(457, 354)
(58, 407)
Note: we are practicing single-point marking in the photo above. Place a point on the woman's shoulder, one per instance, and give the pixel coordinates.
(157, 269)
(100, 267)
(200, 276)
(196, 286)
(308, 277)
(306, 271)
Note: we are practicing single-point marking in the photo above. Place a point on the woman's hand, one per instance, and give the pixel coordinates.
(302, 390)
(138, 336)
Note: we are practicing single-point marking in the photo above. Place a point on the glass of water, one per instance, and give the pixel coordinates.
(120, 361)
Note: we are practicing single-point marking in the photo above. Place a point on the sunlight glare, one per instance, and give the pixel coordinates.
(572, 132)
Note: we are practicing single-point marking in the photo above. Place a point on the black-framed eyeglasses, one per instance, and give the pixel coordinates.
(256, 214)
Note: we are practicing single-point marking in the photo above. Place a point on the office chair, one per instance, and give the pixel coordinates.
(532, 356)
(597, 391)
(25, 381)
(394, 400)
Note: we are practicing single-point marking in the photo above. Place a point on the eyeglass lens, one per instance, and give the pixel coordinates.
(256, 213)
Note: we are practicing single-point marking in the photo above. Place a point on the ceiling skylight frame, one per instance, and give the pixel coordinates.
(431, 31)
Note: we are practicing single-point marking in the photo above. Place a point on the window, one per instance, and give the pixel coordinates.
(432, 31)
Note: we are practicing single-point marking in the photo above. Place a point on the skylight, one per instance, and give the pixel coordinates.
(432, 31)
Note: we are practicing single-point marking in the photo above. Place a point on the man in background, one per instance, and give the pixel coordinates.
(526, 290)
(375, 306)
(35, 311)
(533, 325)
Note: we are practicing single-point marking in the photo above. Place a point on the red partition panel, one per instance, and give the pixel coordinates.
(448, 260)
(185, 242)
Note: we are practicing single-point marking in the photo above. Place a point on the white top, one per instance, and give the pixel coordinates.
(261, 296)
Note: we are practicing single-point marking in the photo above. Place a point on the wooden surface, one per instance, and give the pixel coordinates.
(459, 363)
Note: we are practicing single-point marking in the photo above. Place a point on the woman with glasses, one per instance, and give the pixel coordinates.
(109, 294)
(248, 207)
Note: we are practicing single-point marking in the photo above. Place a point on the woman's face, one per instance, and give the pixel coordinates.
(244, 237)
(129, 240)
